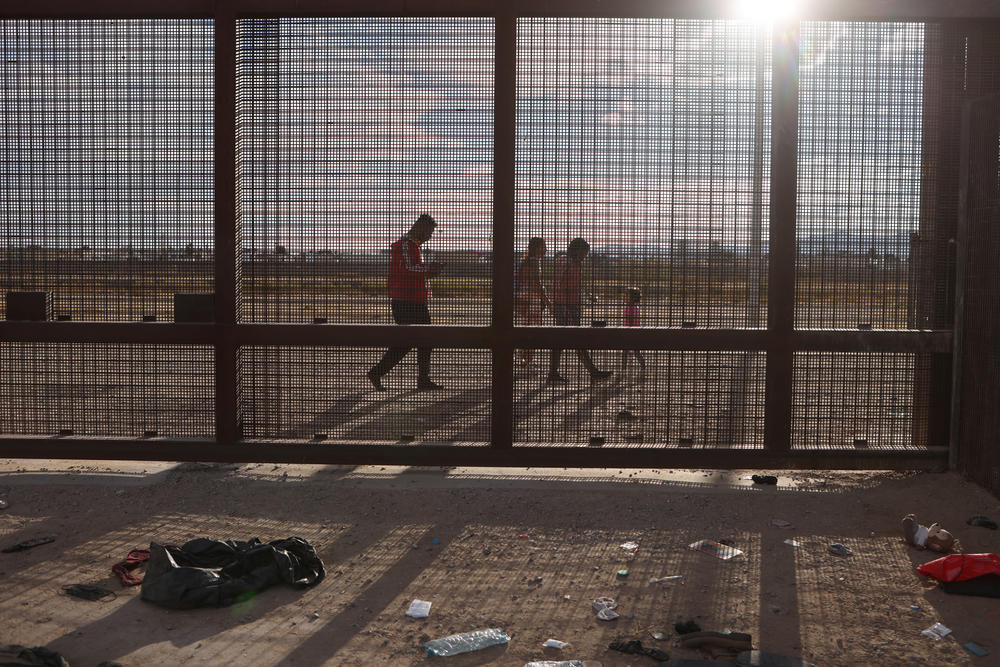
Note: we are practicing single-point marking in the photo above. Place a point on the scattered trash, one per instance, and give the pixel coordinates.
(560, 663)
(658, 635)
(419, 609)
(605, 608)
(781, 523)
(740, 641)
(635, 647)
(522, 537)
(622, 573)
(657, 580)
(936, 632)
(29, 544)
(630, 547)
(960, 567)
(135, 559)
(838, 549)
(555, 643)
(764, 479)
(466, 642)
(978, 520)
(794, 543)
(3, 503)
(975, 649)
(932, 537)
(717, 549)
(314, 616)
(212, 573)
(435, 541)
(915, 607)
(89, 592)
(686, 627)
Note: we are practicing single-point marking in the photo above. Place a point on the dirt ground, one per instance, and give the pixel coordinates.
(520, 549)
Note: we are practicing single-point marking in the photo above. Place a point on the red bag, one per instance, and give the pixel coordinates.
(960, 567)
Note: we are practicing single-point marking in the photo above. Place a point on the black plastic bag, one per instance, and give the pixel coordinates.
(213, 573)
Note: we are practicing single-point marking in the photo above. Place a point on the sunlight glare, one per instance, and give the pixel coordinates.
(766, 11)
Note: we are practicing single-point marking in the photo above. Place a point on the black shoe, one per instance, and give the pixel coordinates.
(426, 384)
(555, 378)
(376, 380)
(599, 376)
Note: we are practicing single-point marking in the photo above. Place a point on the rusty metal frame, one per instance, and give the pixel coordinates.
(780, 340)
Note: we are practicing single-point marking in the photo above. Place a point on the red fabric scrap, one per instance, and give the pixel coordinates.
(960, 567)
(135, 558)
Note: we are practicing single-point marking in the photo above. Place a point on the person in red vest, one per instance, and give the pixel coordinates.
(408, 275)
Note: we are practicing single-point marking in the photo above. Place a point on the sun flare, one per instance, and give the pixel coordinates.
(766, 11)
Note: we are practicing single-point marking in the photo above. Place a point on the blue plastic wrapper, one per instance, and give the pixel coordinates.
(465, 642)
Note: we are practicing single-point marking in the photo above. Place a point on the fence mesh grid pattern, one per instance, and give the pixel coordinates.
(857, 399)
(104, 389)
(322, 393)
(350, 129)
(106, 160)
(859, 170)
(655, 399)
(650, 139)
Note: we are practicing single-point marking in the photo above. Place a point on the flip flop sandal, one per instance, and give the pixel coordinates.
(89, 592)
(28, 544)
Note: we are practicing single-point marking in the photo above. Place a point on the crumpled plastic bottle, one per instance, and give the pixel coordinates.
(465, 642)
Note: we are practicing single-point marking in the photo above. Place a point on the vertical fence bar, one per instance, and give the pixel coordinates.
(781, 267)
(226, 431)
(505, 90)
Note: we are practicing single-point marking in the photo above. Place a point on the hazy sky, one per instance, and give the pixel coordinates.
(629, 131)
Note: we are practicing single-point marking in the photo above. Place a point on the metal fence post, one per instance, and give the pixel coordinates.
(226, 225)
(781, 267)
(504, 76)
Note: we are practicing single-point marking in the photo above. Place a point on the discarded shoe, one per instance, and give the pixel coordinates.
(90, 592)
(635, 647)
(28, 544)
(838, 549)
(605, 608)
(982, 521)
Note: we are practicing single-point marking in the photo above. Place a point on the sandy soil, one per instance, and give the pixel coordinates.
(523, 550)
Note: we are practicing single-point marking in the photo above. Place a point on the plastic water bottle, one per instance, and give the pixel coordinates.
(465, 642)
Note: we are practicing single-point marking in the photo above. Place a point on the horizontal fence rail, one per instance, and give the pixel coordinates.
(770, 215)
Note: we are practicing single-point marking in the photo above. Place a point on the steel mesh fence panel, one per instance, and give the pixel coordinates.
(650, 139)
(857, 399)
(106, 159)
(105, 389)
(349, 129)
(859, 165)
(654, 398)
(313, 393)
